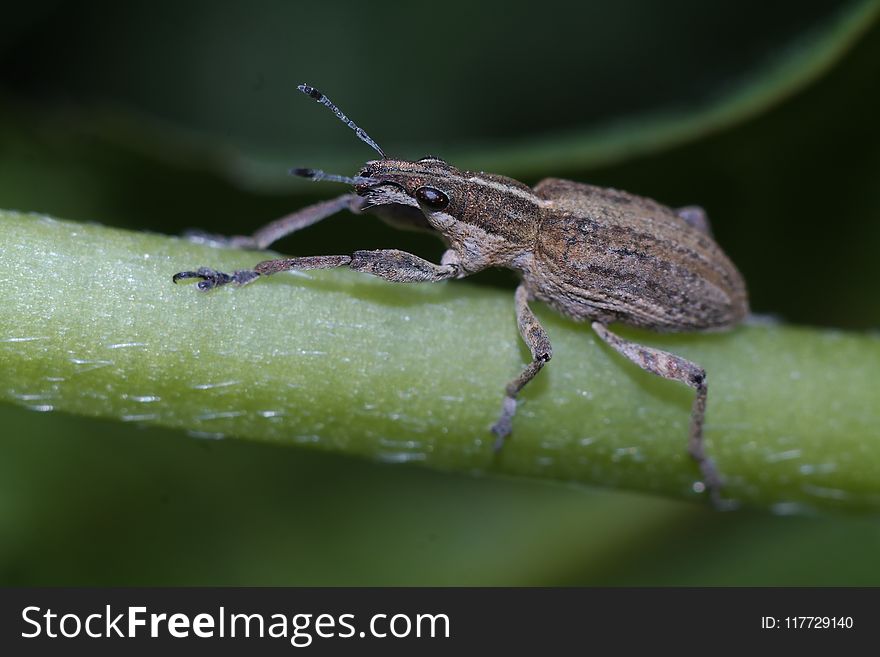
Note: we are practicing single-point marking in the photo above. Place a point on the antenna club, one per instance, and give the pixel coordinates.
(311, 92)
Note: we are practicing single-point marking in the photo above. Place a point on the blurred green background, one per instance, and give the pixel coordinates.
(166, 116)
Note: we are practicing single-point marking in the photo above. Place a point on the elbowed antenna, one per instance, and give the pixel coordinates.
(321, 98)
(317, 174)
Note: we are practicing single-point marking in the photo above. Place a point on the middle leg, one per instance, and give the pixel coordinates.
(536, 338)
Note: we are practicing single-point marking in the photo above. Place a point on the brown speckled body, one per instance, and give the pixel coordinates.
(591, 253)
(608, 255)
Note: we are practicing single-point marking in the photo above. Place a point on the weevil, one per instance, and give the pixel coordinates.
(594, 254)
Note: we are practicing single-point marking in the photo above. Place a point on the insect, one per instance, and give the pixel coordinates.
(594, 254)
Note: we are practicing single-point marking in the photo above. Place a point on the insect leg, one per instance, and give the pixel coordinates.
(274, 231)
(536, 338)
(676, 368)
(390, 264)
(696, 217)
(403, 267)
(212, 278)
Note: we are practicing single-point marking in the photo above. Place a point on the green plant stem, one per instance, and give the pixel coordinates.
(91, 324)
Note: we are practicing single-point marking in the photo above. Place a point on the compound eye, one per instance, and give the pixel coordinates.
(432, 198)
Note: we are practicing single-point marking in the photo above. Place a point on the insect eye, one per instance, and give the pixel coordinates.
(432, 198)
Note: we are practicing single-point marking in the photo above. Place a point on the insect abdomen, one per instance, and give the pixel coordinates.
(635, 262)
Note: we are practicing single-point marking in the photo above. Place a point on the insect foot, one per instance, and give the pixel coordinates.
(504, 425)
(212, 278)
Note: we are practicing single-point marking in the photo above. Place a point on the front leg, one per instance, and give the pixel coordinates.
(676, 368)
(390, 264)
(403, 267)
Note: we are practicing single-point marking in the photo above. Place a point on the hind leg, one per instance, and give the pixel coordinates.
(675, 368)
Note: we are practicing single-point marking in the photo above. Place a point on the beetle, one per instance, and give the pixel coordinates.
(593, 254)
